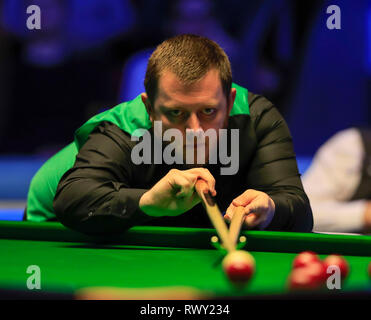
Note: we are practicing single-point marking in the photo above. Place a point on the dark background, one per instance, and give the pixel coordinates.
(91, 55)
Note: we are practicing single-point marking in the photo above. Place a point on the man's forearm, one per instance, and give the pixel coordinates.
(102, 210)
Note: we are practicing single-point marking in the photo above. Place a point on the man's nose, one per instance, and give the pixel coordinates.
(193, 122)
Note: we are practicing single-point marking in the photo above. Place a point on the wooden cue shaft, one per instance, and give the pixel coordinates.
(214, 214)
(236, 223)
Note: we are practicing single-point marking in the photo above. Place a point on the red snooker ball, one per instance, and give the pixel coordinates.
(340, 262)
(299, 279)
(304, 258)
(239, 267)
(369, 270)
(317, 271)
(311, 276)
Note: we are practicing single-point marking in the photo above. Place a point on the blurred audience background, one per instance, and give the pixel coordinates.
(91, 55)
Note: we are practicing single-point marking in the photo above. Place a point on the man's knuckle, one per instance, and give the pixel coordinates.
(188, 184)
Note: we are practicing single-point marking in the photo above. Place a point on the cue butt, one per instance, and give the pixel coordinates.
(236, 224)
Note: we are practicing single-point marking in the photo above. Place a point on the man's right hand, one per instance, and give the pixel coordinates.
(175, 193)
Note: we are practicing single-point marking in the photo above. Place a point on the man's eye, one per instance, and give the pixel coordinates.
(208, 111)
(176, 113)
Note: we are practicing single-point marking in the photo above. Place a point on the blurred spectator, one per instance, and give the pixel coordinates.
(338, 183)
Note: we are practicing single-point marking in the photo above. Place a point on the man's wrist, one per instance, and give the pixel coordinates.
(146, 205)
(270, 215)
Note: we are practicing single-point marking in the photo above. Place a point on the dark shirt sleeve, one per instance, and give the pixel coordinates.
(94, 196)
(274, 169)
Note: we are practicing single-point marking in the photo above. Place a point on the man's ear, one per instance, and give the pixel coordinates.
(147, 104)
(231, 98)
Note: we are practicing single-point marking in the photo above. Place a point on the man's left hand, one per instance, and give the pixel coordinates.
(259, 209)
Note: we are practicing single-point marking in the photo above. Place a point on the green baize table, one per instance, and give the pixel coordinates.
(152, 257)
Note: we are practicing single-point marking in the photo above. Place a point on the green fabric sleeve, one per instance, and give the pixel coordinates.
(44, 184)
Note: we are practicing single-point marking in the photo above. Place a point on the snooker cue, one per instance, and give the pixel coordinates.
(236, 223)
(214, 214)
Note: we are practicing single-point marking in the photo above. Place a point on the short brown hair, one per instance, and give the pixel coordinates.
(189, 57)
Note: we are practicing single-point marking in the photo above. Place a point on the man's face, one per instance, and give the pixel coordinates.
(201, 105)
